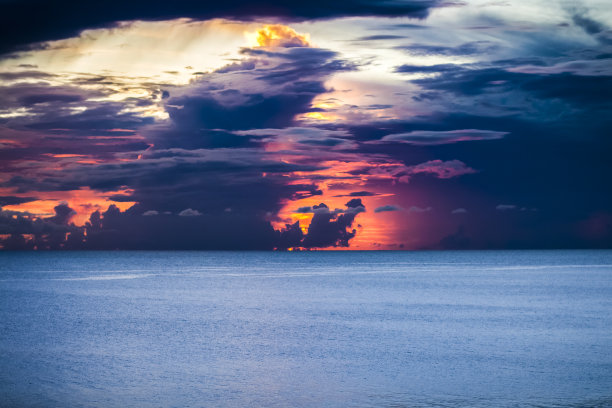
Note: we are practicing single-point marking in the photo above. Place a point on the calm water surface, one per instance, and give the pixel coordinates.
(320, 329)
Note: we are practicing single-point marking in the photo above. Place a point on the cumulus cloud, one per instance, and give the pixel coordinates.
(278, 35)
(20, 230)
(188, 212)
(329, 228)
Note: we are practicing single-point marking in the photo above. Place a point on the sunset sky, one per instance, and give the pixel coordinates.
(416, 124)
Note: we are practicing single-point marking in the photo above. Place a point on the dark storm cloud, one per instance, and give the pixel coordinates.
(280, 85)
(32, 21)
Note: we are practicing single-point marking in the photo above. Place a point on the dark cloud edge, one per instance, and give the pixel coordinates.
(27, 24)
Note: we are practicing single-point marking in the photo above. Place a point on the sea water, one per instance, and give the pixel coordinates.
(310, 329)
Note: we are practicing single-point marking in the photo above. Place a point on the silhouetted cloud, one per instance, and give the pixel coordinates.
(328, 228)
(26, 231)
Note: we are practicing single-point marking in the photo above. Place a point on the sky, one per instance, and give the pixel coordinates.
(363, 125)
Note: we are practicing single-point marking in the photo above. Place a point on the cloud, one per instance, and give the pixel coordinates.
(33, 21)
(387, 208)
(63, 214)
(470, 48)
(196, 158)
(430, 137)
(25, 231)
(415, 209)
(505, 207)
(188, 212)
(130, 230)
(601, 32)
(459, 211)
(278, 35)
(329, 228)
(381, 37)
(13, 200)
(426, 69)
(441, 169)
(303, 138)
(359, 194)
(412, 209)
(289, 237)
(601, 67)
(537, 93)
(402, 173)
(190, 229)
(240, 107)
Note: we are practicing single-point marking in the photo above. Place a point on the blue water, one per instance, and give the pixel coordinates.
(319, 329)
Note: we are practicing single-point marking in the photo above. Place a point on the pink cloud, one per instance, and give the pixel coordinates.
(440, 169)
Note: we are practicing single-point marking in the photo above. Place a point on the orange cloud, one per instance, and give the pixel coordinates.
(278, 35)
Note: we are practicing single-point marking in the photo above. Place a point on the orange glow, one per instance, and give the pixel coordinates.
(278, 35)
(318, 116)
(62, 156)
(83, 202)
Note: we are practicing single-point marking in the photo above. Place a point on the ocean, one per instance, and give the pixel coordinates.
(306, 329)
